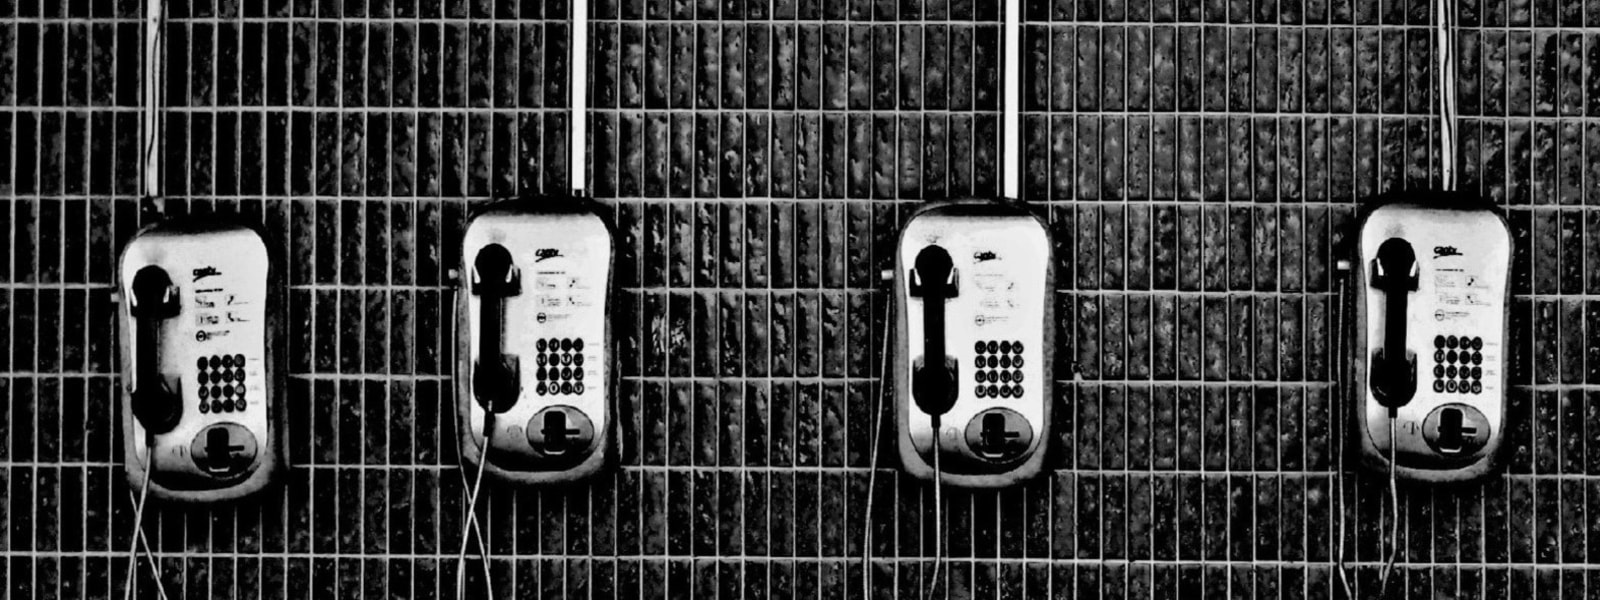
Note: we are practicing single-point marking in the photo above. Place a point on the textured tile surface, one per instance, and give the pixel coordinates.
(1197, 161)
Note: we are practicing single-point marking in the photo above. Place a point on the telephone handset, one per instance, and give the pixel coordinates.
(973, 285)
(1394, 367)
(201, 390)
(933, 378)
(496, 375)
(535, 349)
(153, 299)
(1430, 335)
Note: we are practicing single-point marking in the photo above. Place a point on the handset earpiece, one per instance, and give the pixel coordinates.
(153, 299)
(496, 377)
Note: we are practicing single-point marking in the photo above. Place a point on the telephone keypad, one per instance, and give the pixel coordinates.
(1000, 364)
(225, 374)
(560, 362)
(1455, 369)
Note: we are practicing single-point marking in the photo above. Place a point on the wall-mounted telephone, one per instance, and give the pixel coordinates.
(1430, 336)
(535, 342)
(200, 401)
(973, 342)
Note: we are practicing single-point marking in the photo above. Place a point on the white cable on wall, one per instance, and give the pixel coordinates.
(1011, 102)
(578, 81)
(1445, 71)
(154, 88)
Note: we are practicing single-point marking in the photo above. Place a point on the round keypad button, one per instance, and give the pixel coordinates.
(1450, 386)
(540, 344)
(1477, 387)
(216, 391)
(1438, 386)
(205, 408)
(540, 359)
(238, 404)
(1438, 356)
(216, 406)
(577, 388)
(540, 389)
(980, 391)
(200, 364)
(577, 360)
(1438, 341)
(994, 346)
(1005, 347)
(1438, 370)
(227, 362)
(1452, 342)
(978, 347)
(566, 345)
(216, 361)
(1450, 371)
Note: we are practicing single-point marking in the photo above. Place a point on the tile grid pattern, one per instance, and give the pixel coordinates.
(1197, 161)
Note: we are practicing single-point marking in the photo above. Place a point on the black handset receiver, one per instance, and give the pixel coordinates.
(933, 378)
(1394, 369)
(154, 299)
(496, 378)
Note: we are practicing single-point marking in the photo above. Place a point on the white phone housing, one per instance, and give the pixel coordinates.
(1456, 329)
(998, 327)
(557, 328)
(216, 354)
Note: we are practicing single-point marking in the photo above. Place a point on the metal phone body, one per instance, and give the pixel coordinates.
(217, 354)
(999, 336)
(1455, 329)
(557, 333)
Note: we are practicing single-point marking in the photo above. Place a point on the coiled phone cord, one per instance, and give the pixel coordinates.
(471, 525)
(139, 537)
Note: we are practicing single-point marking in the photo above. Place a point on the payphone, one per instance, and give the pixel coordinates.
(200, 396)
(1430, 336)
(535, 341)
(973, 384)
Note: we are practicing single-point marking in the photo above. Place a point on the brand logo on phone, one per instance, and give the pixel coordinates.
(984, 256)
(204, 272)
(1443, 251)
(545, 253)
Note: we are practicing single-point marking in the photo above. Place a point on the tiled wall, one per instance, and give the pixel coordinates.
(1197, 162)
